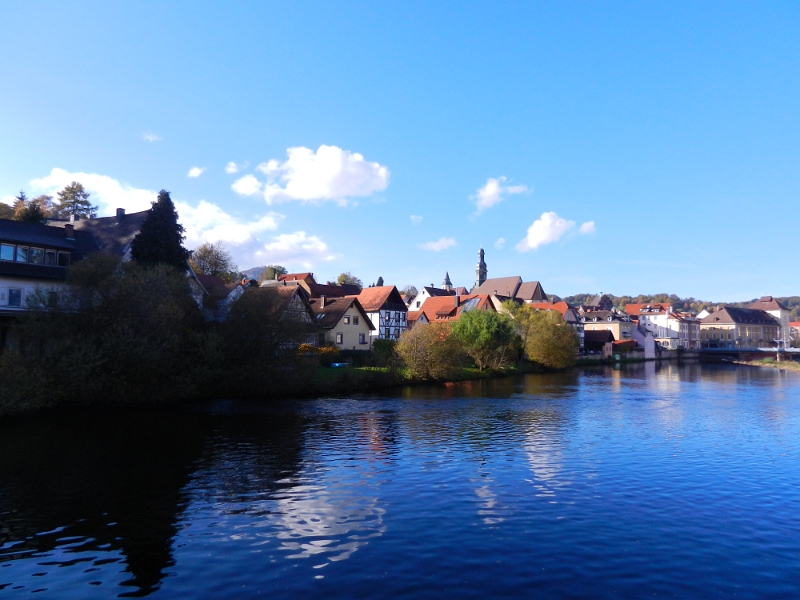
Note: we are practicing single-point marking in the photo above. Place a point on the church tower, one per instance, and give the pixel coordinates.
(480, 270)
(447, 284)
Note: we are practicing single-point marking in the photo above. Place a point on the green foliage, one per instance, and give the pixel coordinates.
(547, 338)
(6, 211)
(350, 279)
(430, 351)
(31, 213)
(160, 240)
(384, 352)
(488, 338)
(73, 200)
(260, 340)
(116, 333)
(214, 259)
(270, 272)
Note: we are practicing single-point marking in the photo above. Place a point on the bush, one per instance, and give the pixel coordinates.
(430, 351)
(488, 337)
(383, 352)
(547, 338)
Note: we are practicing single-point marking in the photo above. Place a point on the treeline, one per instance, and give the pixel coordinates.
(72, 201)
(685, 304)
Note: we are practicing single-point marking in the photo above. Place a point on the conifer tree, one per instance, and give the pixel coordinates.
(380, 282)
(73, 200)
(160, 240)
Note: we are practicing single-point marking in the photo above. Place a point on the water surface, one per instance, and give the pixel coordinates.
(642, 481)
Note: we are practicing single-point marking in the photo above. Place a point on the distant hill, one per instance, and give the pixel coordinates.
(254, 272)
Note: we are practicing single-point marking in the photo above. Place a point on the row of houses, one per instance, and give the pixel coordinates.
(35, 255)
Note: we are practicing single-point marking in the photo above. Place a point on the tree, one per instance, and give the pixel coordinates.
(160, 240)
(547, 338)
(380, 282)
(488, 337)
(270, 272)
(73, 200)
(410, 292)
(214, 259)
(6, 211)
(430, 351)
(349, 279)
(31, 213)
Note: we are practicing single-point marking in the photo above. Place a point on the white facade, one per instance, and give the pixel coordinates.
(672, 330)
(420, 298)
(16, 291)
(388, 324)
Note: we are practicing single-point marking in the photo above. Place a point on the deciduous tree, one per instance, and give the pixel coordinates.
(488, 337)
(270, 272)
(430, 351)
(547, 338)
(214, 259)
(349, 279)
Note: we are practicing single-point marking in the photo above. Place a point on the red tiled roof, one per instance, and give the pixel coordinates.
(374, 298)
(443, 308)
(562, 307)
(767, 303)
(656, 308)
(296, 277)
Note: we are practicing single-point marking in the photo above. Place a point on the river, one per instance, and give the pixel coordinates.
(647, 480)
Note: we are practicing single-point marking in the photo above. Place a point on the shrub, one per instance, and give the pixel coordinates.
(488, 338)
(547, 338)
(430, 351)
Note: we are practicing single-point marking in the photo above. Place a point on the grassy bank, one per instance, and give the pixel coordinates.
(772, 364)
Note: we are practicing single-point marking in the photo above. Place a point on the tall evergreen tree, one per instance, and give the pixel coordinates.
(73, 200)
(160, 240)
(380, 282)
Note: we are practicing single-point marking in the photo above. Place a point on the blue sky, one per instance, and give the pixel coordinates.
(625, 148)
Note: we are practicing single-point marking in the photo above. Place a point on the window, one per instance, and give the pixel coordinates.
(36, 256)
(339, 338)
(63, 259)
(6, 252)
(417, 300)
(355, 320)
(15, 298)
(50, 258)
(386, 334)
(362, 339)
(347, 320)
(22, 254)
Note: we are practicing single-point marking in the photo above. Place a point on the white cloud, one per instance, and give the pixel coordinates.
(108, 193)
(207, 222)
(438, 245)
(493, 192)
(500, 243)
(416, 219)
(587, 227)
(195, 172)
(10, 200)
(247, 186)
(330, 173)
(232, 167)
(149, 136)
(296, 248)
(546, 229)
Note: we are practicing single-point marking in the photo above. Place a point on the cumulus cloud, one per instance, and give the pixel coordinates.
(10, 200)
(416, 219)
(438, 245)
(587, 227)
(149, 136)
(546, 229)
(329, 174)
(203, 221)
(500, 243)
(493, 192)
(108, 193)
(232, 167)
(195, 172)
(296, 248)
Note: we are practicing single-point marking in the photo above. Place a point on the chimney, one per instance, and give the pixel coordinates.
(457, 299)
(72, 218)
(69, 230)
(322, 301)
(120, 213)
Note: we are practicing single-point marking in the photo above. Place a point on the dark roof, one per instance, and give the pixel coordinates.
(730, 315)
(434, 291)
(597, 337)
(328, 316)
(38, 235)
(112, 234)
(331, 291)
(602, 315)
(531, 290)
(284, 295)
(502, 286)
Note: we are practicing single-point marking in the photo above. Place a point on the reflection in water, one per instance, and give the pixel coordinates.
(646, 479)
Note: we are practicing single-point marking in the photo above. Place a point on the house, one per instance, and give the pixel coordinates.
(293, 302)
(794, 330)
(670, 329)
(428, 292)
(599, 341)
(774, 308)
(569, 314)
(731, 327)
(35, 257)
(219, 296)
(113, 235)
(342, 322)
(416, 316)
(386, 311)
(450, 308)
(599, 302)
(513, 287)
(312, 288)
(619, 324)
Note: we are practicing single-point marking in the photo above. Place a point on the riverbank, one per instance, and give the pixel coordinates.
(772, 364)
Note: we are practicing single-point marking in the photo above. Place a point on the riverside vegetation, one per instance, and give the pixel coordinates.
(130, 332)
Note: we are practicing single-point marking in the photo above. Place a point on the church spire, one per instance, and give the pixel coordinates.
(481, 270)
(447, 284)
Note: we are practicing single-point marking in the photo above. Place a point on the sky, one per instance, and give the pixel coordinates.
(613, 147)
